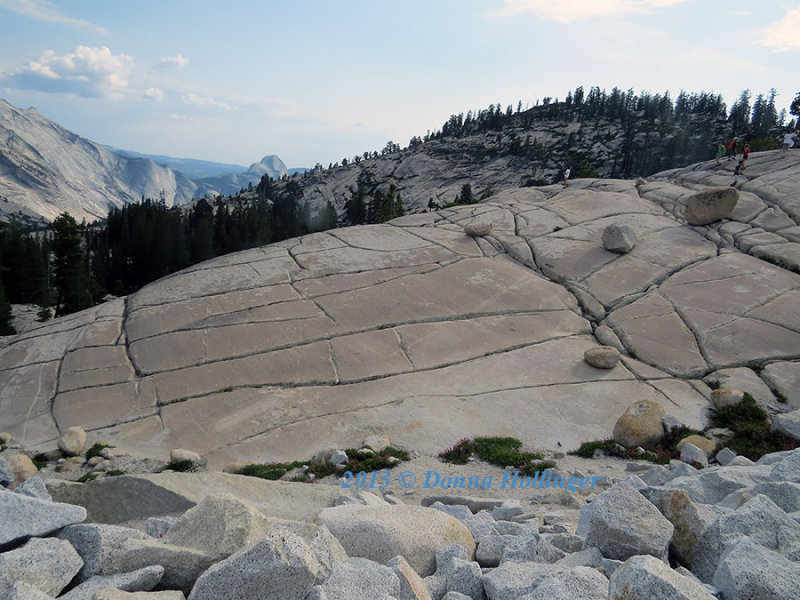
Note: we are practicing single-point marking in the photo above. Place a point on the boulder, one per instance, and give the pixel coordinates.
(619, 237)
(507, 510)
(73, 441)
(761, 520)
(99, 546)
(339, 458)
(490, 549)
(113, 594)
(725, 456)
(22, 468)
(602, 357)
(455, 573)
(647, 578)
(788, 423)
(623, 523)
(46, 564)
(24, 591)
(376, 443)
(748, 570)
(278, 565)
(478, 228)
(788, 468)
(690, 521)
(181, 455)
(706, 445)
(513, 580)
(35, 488)
(380, 533)
(142, 580)
(182, 566)
(785, 494)
(528, 548)
(24, 516)
(693, 455)
(218, 526)
(580, 583)
(640, 425)
(412, 586)
(6, 472)
(157, 527)
(361, 579)
(710, 205)
(723, 397)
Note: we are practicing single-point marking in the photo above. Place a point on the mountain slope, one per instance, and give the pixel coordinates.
(190, 167)
(49, 170)
(229, 184)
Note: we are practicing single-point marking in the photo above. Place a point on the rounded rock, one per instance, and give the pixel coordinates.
(726, 397)
(640, 425)
(478, 228)
(602, 357)
(73, 441)
(706, 445)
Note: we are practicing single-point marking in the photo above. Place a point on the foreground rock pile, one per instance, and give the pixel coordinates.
(732, 532)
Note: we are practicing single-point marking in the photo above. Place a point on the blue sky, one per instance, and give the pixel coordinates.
(315, 81)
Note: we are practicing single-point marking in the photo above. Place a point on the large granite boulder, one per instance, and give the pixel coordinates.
(380, 533)
(640, 425)
(710, 205)
(647, 578)
(24, 517)
(45, 564)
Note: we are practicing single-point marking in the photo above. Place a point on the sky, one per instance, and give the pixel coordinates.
(316, 81)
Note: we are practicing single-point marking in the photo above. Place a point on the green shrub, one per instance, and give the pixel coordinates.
(96, 449)
(180, 465)
(459, 453)
(88, 477)
(752, 434)
(114, 473)
(40, 460)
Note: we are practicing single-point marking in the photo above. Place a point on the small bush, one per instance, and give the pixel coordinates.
(88, 477)
(40, 460)
(95, 450)
(114, 473)
(459, 453)
(180, 465)
(714, 384)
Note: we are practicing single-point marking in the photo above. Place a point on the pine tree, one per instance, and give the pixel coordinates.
(70, 275)
(6, 328)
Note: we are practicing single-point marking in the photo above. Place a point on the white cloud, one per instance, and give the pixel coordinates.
(154, 93)
(193, 99)
(178, 61)
(43, 10)
(87, 72)
(784, 35)
(569, 11)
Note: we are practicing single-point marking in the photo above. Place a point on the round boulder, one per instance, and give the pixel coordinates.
(478, 228)
(710, 205)
(22, 467)
(726, 397)
(602, 357)
(640, 425)
(706, 445)
(73, 441)
(380, 533)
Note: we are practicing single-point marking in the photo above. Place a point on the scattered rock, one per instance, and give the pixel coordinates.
(602, 357)
(113, 594)
(478, 228)
(380, 533)
(706, 445)
(45, 563)
(412, 586)
(22, 468)
(180, 455)
(581, 583)
(157, 527)
(710, 205)
(619, 237)
(182, 566)
(278, 565)
(647, 578)
(24, 516)
(361, 579)
(726, 397)
(640, 425)
(142, 580)
(99, 546)
(725, 456)
(111, 452)
(455, 573)
(690, 521)
(73, 441)
(35, 488)
(507, 510)
(748, 570)
(694, 456)
(339, 458)
(788, 423)
(376, 443)
(622, 523)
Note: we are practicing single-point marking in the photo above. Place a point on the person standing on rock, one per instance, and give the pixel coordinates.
(789, 139)
(737, 174)
(732, 148)
(720, 151)
(567, 171)
(745, 154)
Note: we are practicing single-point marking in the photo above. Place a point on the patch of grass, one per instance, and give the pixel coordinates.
(358, 460)
(659, 455)
(587, 449)
(88, 477)
(96, 449)
(180, 465)
(459, 453)
(114, 473)
(752, 434)
(40, 460)
(714, 384)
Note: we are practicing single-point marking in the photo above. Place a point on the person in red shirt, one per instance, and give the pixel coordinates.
(732, 148)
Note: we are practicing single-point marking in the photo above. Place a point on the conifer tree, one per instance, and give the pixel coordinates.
(6, 328)
(70, 276)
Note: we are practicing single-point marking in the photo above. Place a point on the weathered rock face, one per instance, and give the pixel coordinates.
(311, 343)
(711, 205)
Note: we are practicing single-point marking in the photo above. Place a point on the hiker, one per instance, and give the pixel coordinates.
(745, 153)
(732, 148)
(737, 174)
(567, 171)
(720, 151)
(789, 139)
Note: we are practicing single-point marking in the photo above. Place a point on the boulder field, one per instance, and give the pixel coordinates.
(417, 331)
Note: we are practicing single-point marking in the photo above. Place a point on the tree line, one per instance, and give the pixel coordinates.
(72, 266)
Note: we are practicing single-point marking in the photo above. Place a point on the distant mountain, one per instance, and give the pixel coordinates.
(46, 170)
(190, 167)
(230, 183)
